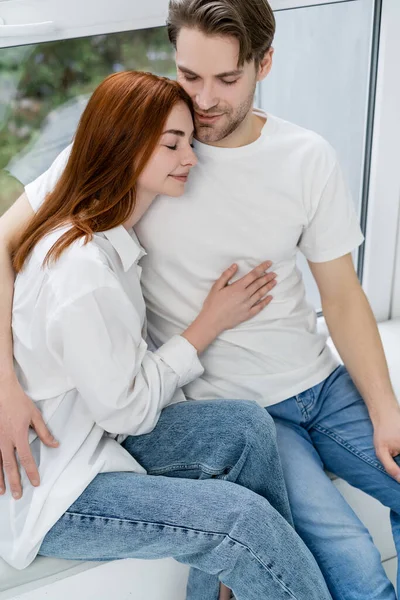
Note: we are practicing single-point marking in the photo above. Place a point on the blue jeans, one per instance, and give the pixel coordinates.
(194, 505)
(329, 426)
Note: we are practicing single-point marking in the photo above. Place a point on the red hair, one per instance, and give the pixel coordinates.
(117, 134)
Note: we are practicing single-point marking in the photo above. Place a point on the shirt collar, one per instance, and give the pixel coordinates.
(126, 244)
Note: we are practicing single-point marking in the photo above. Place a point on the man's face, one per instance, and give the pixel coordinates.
(222, 92)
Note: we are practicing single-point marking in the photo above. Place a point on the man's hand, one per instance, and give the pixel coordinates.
(17, 414)
(387, 440)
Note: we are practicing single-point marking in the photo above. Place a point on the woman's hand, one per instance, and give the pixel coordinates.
(229, 305)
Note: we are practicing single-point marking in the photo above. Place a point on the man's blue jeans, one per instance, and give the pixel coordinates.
(194, 506)
(329, 426)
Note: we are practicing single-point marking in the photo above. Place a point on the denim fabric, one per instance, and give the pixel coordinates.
(194, 506)
(329, 426)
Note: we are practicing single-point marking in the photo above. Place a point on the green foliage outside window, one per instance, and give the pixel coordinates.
(38, 80)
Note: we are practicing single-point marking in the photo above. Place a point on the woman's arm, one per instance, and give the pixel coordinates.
(97, 338)
(17, 411)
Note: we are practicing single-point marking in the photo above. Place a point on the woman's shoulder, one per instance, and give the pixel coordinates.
(82, 268)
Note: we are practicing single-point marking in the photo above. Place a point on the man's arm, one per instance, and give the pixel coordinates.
(17, 411)
(355, 334)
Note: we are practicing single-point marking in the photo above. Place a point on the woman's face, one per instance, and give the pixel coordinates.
(168, 168)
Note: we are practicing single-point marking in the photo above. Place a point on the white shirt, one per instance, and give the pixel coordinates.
(268, 200)
(80, 353)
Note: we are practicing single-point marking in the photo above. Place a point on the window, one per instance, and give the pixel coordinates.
(320, 80)
(45, 88)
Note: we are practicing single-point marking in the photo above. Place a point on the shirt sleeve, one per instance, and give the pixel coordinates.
(333, 229)
(37, 190)
(97, 338)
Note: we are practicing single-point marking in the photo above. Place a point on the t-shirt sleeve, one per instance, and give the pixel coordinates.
(37, 190)
(333, 229)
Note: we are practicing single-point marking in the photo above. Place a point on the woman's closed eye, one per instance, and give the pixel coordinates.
(175, 147)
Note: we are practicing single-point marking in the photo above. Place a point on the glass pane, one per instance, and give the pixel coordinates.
(320, 80)
(45, 87)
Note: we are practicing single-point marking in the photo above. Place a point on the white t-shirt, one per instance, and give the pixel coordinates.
(265, 201)
(79, 353)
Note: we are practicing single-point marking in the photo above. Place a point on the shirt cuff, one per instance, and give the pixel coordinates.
(181, 356)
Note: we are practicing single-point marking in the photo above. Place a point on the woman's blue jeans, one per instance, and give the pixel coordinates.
(214, 498)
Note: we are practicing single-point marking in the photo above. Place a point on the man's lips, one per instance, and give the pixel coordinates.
(208, 118)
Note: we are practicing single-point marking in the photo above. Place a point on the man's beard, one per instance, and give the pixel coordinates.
(209, 133)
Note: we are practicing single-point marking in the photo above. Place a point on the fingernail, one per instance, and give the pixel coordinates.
(55, 442)
(16, 495)
(398, 478)
(35, 482)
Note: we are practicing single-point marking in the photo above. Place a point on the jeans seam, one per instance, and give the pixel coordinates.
(302, 407)
(351, 448)
(187, 467)
(267, 567)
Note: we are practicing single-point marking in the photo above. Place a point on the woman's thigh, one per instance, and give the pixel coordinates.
(202, 439)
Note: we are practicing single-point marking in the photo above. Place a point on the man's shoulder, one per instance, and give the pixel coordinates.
(300, 137)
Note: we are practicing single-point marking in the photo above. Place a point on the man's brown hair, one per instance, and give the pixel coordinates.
(251, 22)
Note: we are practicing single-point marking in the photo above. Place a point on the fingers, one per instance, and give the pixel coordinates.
(265, 283)
(261, 293)
(10, 468)
(388, 462)
(27, 461)
(255, 274)
(43, 433)
(254, 310)
(225, 277)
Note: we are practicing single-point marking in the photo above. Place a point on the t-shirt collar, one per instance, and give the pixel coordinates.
(126, 244)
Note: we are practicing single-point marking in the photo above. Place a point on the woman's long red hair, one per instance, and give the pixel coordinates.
(117, 133)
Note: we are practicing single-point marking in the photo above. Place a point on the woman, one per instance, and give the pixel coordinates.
(80, 352)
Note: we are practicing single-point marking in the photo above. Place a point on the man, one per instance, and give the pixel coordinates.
(263, 188)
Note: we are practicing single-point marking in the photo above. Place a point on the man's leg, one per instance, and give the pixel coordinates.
(328, 426)
(343, 436)
(230, 440)
(215, 526)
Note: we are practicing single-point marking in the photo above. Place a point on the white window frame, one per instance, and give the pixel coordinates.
(29, 21)
(384, 188)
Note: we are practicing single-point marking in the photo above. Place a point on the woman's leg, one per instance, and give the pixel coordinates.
(233, 440)
(215, 526)
(225, 439)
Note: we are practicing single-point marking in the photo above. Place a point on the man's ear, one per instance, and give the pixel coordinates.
(265, 65)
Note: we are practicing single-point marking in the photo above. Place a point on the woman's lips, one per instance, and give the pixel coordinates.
(182, 178)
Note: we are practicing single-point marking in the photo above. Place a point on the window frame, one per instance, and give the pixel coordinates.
(41, 18)
(379, 283)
